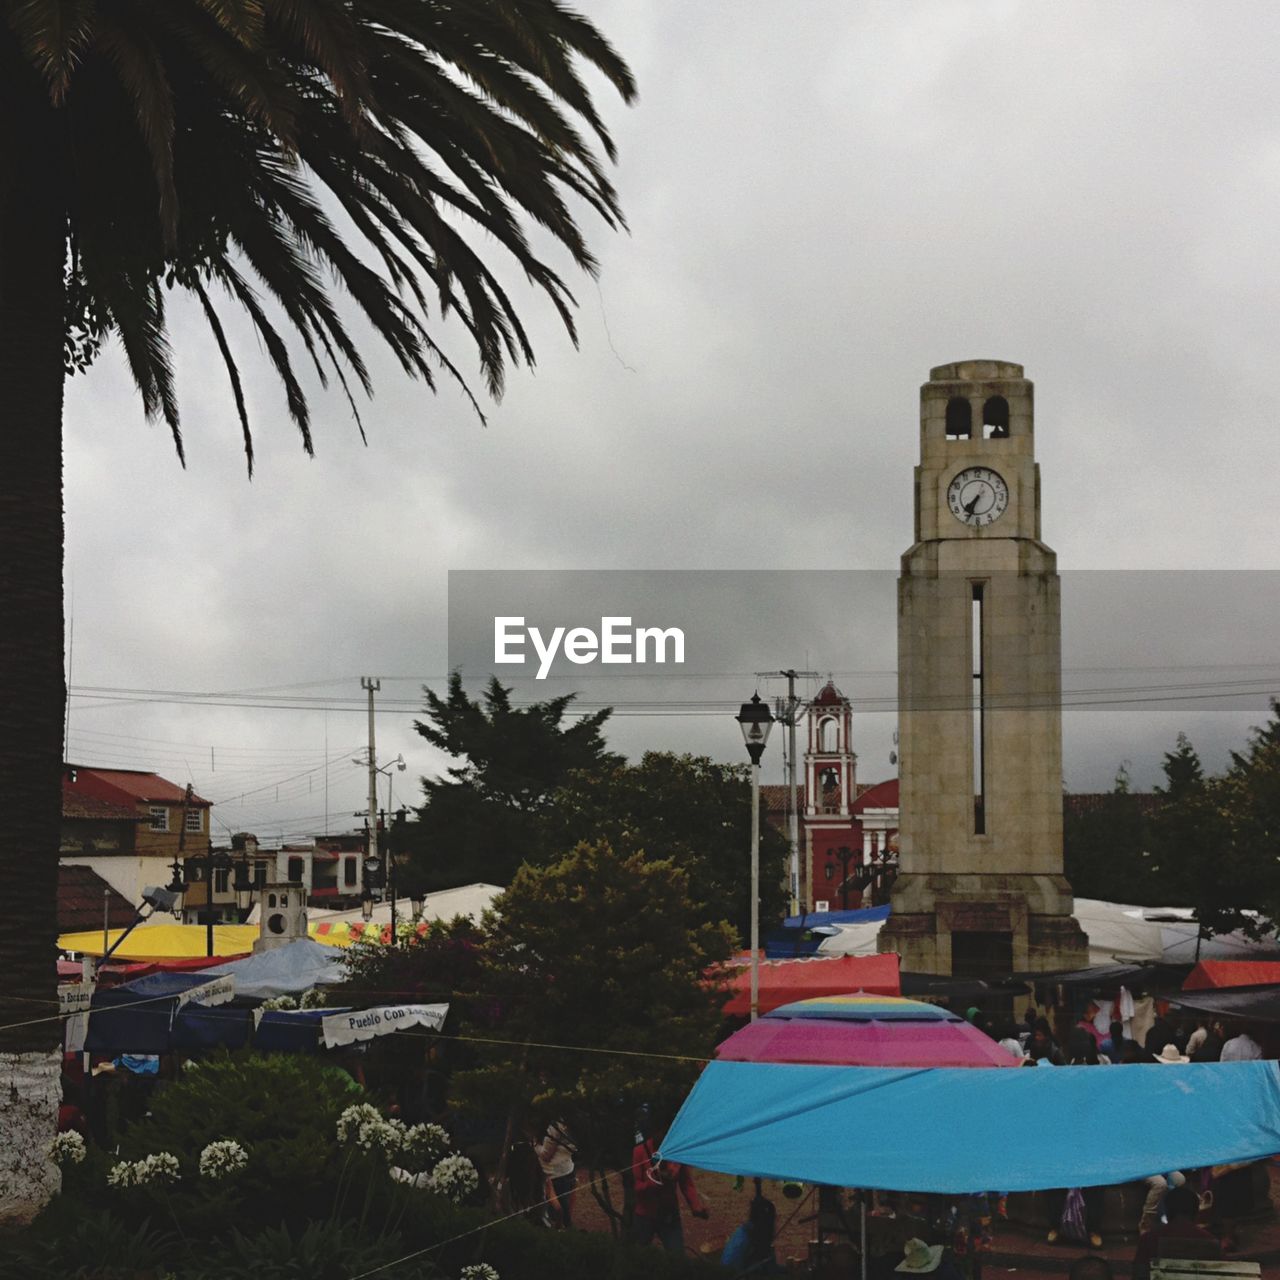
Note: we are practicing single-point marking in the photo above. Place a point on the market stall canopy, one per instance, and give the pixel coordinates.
(471, 900)
(165, 941)
(1233, 973)
(956, 1131)
(137, 1017)
(285, 971)
(783, 981)
(816, 919)
(1261, 1004)
(862, 1030)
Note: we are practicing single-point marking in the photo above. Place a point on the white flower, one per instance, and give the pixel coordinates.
(313, 999)
(397, 1174)
(160, 1167)
(454, 1177)
(351, 1120)
(478, 1271)
(222, 1159)
(280, 1002)
(424, 1144)
(67, 1148)
(384, 1136)
(123, 1174)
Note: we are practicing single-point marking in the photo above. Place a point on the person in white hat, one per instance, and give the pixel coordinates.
(919, 1258)
(1169, 1054)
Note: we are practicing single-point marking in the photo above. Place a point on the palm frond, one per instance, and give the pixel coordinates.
(206, 137)
(233, 371)
(54, 36)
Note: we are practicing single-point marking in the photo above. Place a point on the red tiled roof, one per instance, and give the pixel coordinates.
(777, 796)
(150, 788)
(1078, 803)
(75, 804)
(80, 901)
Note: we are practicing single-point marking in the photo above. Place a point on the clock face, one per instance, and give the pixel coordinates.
(978, 497)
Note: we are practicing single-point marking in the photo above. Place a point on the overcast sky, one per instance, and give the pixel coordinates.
(825, 201)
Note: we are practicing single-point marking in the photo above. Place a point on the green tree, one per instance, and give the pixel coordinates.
(1186, 831)
(197, 147)
(1105, 846)
(1245, 870)
(685, 809)
(483, 819)
(601, 962)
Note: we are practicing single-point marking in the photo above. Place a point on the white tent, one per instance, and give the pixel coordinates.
(471, 900)
(1117, 932)
(284, 971)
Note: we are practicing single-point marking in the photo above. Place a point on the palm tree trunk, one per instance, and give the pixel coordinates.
(32, 248)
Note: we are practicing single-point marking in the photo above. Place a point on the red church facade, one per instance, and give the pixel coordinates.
(848, 831)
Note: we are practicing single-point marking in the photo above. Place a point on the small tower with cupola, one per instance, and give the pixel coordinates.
(830, 782)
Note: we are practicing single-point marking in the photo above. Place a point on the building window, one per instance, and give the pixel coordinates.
(831, 871)
(828, 734)
(195, 821)
(220, 875)
(349, 871)
(295, 870)
(159, 818)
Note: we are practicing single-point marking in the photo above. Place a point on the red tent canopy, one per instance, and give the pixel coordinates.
(1232, 973)
(782, 981)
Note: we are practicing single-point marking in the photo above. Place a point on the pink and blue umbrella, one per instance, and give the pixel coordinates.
(864, 1031)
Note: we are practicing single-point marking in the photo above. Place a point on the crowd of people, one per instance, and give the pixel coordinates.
(1216, 1197)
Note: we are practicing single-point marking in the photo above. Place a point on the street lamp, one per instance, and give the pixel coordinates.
(208, 864)
(755, 719)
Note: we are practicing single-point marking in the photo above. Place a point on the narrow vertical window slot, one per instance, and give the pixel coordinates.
(978, 712)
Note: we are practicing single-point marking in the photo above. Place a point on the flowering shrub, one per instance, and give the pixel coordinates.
(353, 1118)
(280, 1002)
(222, 1159)
(424, 1144)
(455, 1177)
(478, 1271)
(363, 1126)
(67, 1149)
(158, 1169)
(313, 999)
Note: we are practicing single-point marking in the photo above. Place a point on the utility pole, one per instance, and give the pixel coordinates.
(372, 685)
(788, 715)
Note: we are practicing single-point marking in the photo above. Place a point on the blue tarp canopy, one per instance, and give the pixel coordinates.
(955, 1131)
(284, 971)
(815, 919)
(137, 1016)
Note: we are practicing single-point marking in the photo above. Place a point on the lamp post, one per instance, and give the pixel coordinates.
(378, 856)
(755, 719)
(208, 863)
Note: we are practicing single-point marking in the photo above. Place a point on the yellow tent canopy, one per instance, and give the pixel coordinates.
(187, 941)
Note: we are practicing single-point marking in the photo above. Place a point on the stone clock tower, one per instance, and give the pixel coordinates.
(980, 889)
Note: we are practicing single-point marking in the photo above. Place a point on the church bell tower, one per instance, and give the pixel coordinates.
(980, 889)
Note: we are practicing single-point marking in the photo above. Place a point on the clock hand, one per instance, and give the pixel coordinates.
(969, 507)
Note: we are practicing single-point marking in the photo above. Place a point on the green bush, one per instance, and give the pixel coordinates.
(75, 1243)
(282, 1109)
(320, 1251)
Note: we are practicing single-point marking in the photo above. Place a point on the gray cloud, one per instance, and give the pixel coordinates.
(824, 201)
